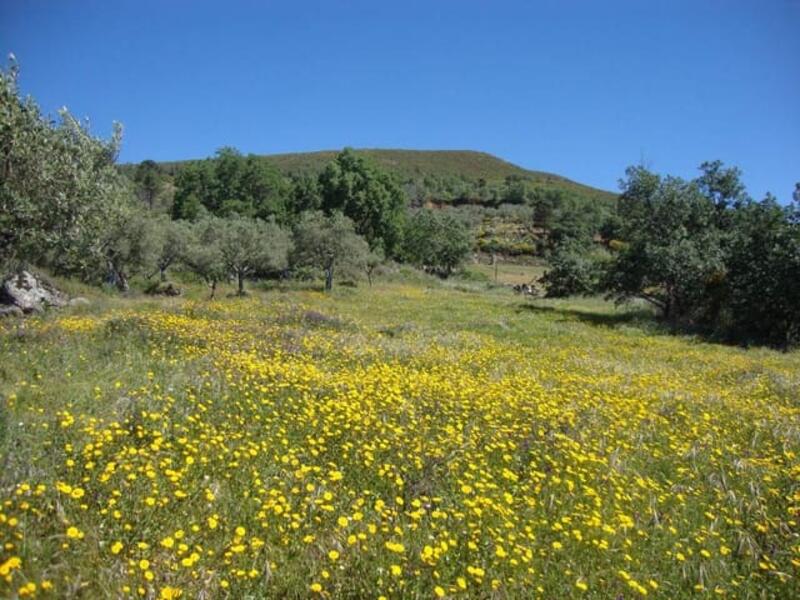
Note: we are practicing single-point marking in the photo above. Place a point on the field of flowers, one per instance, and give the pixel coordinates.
(398, 442)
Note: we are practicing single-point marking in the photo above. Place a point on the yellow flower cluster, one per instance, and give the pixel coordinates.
(268, 447)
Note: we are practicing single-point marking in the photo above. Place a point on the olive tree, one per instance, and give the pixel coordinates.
(203, 251)
(129, 245)
(329, 243)
(58, 185)
(374, 259)
(171, 239)
(250, 246)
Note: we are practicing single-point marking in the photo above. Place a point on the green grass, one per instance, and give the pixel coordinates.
(509, 274)
(414, 439)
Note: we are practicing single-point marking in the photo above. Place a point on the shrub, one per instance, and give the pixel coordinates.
(572, 273)
(436, 241)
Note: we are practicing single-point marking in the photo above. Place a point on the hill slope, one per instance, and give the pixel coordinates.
(410, 165)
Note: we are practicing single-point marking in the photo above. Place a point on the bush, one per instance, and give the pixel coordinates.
(473, 276)
(572, 273)
(436, 241)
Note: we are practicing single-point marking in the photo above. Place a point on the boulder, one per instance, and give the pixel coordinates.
(10, 311)
(30, 293)
(79, 301)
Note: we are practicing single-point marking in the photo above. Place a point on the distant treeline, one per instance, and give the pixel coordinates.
(516, 215)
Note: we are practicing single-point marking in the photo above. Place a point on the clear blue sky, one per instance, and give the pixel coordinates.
(582, 89)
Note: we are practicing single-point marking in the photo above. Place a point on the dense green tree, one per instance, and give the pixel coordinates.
(231, 184)
(195, 191)
(672, 250)
(544, 208)
(250, 246)
(371, 198)
(149, 181)
(436, 241)
(305, 194)
(707, 255)
(572, 223)
(722, 186)
(761, 301)
(329, 243)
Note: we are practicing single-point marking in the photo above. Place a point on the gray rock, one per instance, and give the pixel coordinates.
(10, 311)
(79, 301)
(30, 293)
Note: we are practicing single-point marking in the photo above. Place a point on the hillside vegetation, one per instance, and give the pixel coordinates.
(509, 211)
(413, 441)
(416, 165)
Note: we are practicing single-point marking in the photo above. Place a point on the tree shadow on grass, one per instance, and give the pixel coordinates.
(641, 318)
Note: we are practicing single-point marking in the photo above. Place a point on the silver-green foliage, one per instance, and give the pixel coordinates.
(203, 252)
(329, 243)
(252, 246)
(58, 185)
(172, 239)
(129, 243)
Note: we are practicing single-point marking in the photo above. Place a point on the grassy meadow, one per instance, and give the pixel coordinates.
(401, 441)
(509, 273)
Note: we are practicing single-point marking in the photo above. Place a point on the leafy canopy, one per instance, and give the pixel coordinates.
(371, 198)
(230, 184)
(437, 241)
(252, 246)
(709, 256)
(58, 185)
(329, 243)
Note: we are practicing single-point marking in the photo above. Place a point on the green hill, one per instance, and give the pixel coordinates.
(413, 165)
(506, 206)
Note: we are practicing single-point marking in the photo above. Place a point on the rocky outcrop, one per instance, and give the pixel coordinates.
(10, 311)
(29, 294)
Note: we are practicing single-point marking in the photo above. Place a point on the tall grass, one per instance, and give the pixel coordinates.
(405, 440)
